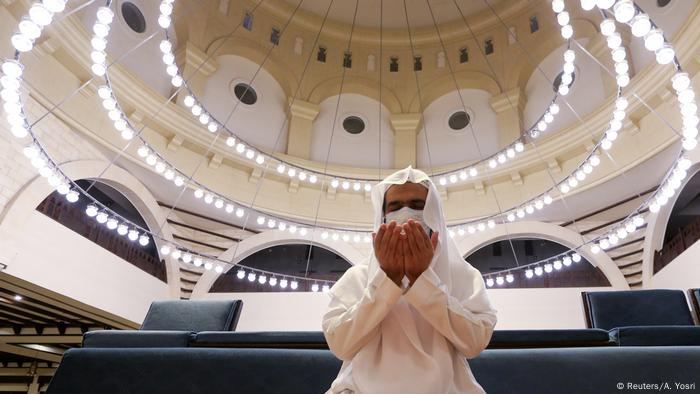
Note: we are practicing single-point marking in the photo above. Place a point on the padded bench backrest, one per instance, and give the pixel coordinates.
(186, 315)
(610, 309)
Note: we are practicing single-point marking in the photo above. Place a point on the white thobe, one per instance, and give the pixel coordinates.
(412, 340)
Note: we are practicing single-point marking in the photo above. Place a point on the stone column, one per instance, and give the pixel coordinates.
(301, 118)
(509, 113)
(406, 128)
(195, 68)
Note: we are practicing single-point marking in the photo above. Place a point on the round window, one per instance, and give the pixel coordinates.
(133, 17)
(557, 81)
(245, 93)
(354, 124)
(459, 120)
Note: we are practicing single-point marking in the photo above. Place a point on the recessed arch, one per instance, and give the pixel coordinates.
(446, 84)
(36, 190)
(519, 75)
(251, 50)
(358, 85)
(268, 239)
(552, 232)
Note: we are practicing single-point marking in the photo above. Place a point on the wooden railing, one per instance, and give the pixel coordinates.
(73, 217)
(684, 238)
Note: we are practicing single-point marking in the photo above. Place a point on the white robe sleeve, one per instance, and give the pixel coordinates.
(467, 323)
(356, 309)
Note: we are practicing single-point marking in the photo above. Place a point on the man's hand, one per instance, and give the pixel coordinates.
(389, 250)
(418, 249)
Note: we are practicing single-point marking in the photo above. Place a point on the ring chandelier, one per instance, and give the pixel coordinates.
(41, 14)
(170, 172)
(241, 147)
(642, 27)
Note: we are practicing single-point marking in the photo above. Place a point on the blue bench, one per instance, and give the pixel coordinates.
(290, 371)
(171, 324)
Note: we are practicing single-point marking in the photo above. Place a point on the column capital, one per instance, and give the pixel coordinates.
(304, 109)
(507, 100)
(405, 122)
(193, 58)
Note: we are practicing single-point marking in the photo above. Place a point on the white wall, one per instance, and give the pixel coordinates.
(52, 256)
(259, 124)
(517, 309)
(681, 273)
(585, 96)
(359, 150)
(446, 146)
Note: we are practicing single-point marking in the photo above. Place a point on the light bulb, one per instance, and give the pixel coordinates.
(680, 81)
(654, 39)
(557, 5)
(489, 282)
(143, 240)
(294, 285)
(133, 235)
(72, 196)
(576, 257)
(499, 280)
(528, 273)
(604, 4)
(614, 40)
(548, 268)
(29, 28)
(164, 21)
(607, 27)
(619, 54)
(54, 5)
(21, 42)
(640, 25)
(40, 15)
(624, 11)
(12, 68)
(122, 229)
(91, 210)
(665, 54)
(105, 15)
(112, 223)
(538, 271)
(567, 31)
(240, 274)
(314, 287)
(563, 18)
(588, 5)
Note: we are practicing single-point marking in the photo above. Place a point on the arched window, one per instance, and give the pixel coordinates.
(511, 254)
(287, 260)
(73, 216)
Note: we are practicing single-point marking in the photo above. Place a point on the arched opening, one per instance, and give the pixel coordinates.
(73, 216)
(508, 255)
(683, 227)
(286, 261)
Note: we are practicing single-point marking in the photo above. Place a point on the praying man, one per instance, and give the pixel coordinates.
(407, 320)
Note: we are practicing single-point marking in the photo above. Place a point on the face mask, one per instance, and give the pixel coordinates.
(402, 215)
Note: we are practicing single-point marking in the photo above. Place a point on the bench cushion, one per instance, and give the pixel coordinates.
(282, 339)
(656, 336)
(291, 371)
(549, 338)
(610, 309)
(186, 315)
(131, 339)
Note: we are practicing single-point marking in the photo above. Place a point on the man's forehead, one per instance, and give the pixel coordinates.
(408, 190)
